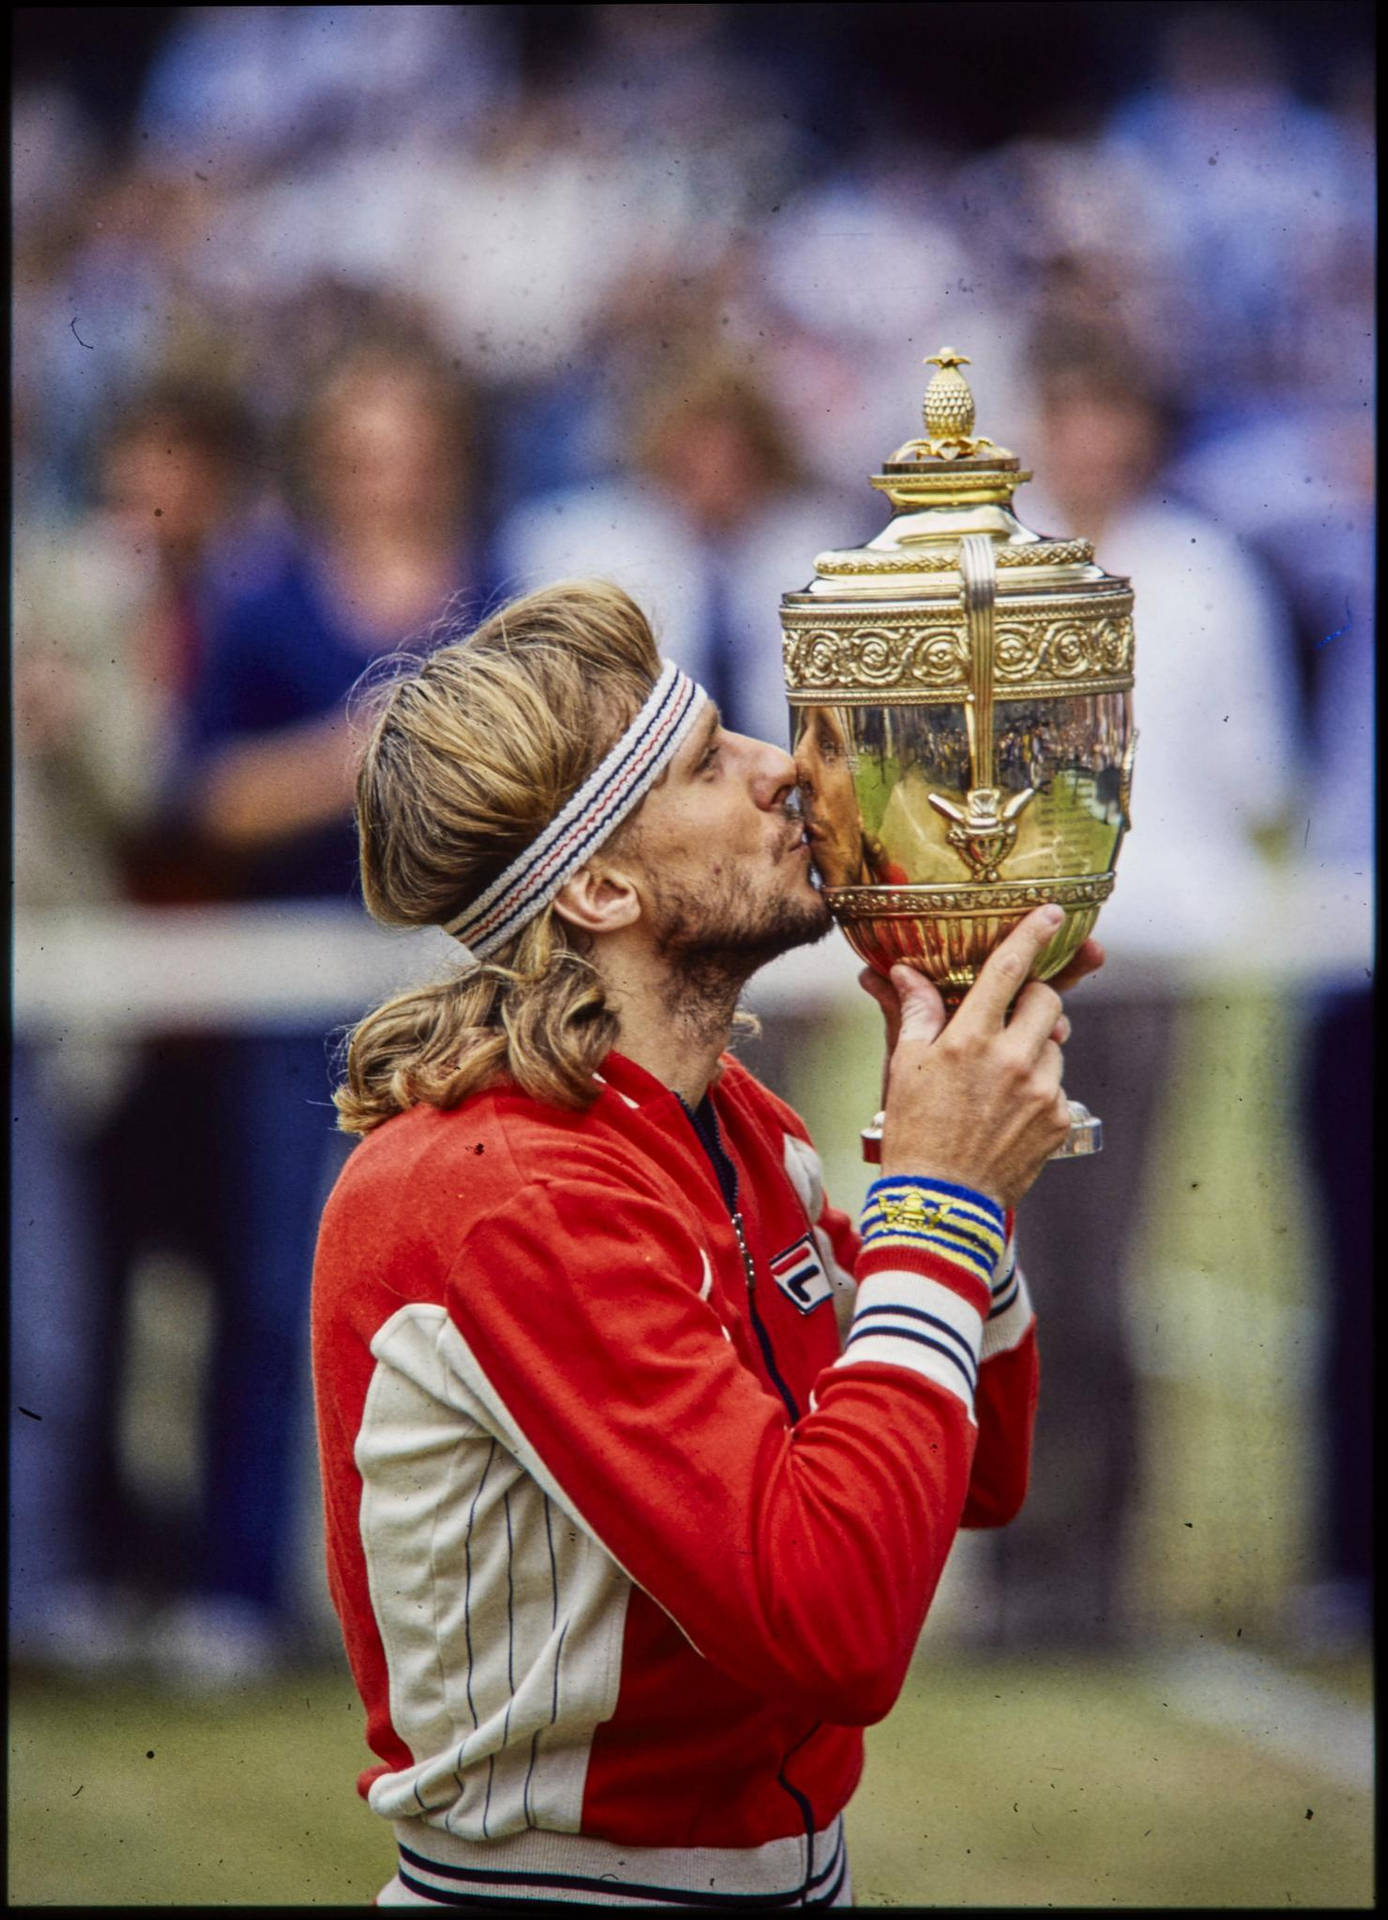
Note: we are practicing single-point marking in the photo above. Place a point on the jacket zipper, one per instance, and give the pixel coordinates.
(720, 1159)
(769, 1358)
(763, 1337)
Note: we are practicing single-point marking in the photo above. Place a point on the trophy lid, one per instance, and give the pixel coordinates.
(942, 488)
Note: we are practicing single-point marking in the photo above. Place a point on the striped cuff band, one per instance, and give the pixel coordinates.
(543, 1865)
(1010, 1313)
(935, 1217)
(906, 1320)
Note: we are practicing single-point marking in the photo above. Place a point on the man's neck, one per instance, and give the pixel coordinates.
(674, 1027)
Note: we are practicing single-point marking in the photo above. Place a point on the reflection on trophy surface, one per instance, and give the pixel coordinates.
(844, 854)
(961, 707)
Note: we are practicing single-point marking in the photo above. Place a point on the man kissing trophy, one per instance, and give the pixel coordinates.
(961, 706)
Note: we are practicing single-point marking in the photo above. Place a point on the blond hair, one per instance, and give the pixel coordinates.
(473, 752)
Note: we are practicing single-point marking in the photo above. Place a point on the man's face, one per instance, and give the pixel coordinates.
(829, 797)
(720, 857)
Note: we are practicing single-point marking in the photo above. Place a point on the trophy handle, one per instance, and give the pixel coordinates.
(1086, 1136)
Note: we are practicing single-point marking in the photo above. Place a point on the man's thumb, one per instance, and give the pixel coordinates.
(923, 1014)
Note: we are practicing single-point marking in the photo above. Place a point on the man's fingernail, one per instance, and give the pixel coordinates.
(1052, 915)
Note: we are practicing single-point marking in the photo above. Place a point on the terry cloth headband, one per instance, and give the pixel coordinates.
(579, 828)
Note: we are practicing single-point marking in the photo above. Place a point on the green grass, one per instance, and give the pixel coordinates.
(1028, 1784)
(133, 1797)
(991, 1783)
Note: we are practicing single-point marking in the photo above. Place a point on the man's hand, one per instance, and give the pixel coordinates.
(977, 1099)
(1087, 959)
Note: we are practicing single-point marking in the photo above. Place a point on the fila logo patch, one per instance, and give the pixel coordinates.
(800, 1275)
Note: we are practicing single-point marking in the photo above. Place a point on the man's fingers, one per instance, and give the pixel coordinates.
(882, 991)
(1051, 1065)
(885, 994)
(923, 1012)
(1007, 968)
(1089, 958)
(1036, 1015)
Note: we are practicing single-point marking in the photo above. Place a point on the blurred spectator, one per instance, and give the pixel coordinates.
(115, 1142)
(111, 620)
(1335, 1610)
(630, 163)
(679, 88)
(103, 306)
(248, 89)
(866, 272)
(1310, 518)
(382, 480)
(711, 526)
(1214, 770)
(384, 488)
(52, 167)
(1320, 542)
(1253, 181)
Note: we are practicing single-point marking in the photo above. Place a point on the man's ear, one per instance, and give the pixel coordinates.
(598, 899)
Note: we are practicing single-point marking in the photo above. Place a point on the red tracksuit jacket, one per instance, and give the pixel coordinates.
(634, 1508)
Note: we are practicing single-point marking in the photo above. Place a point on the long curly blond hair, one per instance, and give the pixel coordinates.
(473, 751)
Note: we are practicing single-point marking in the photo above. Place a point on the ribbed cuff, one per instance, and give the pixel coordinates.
(931, 1253)
(1010, 1310)
(912, 1215)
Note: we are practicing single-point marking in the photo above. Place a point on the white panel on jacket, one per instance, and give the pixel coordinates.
(501, 1618)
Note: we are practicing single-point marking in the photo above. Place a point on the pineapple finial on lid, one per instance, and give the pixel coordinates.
(949, 409)
(949, 403)
(949, 417)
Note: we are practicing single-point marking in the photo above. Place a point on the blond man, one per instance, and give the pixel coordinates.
(641, 1461)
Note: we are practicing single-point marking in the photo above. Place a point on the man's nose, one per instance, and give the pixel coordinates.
(775, 776)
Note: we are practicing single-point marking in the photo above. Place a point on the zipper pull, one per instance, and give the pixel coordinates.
(768, 1352)
(747, 1265)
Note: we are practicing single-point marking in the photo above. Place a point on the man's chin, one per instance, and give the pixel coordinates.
(800, 924)
(811, 922)
(704, 952)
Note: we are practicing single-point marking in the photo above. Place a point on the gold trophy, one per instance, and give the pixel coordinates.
(961, 712)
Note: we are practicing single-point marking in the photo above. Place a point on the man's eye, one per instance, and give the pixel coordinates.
(709, 757)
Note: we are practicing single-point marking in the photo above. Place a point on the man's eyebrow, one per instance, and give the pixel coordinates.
(710, 725)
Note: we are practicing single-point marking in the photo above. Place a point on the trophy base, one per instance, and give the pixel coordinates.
(1086, 1136)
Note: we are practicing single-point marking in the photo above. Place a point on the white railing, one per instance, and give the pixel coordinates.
(133, 969)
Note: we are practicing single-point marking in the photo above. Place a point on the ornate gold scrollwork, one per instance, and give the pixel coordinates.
(827, 657)
(1038, 553)
(871, 903)
(1034, 652)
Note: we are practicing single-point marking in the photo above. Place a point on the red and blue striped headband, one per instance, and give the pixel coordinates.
(580, 827)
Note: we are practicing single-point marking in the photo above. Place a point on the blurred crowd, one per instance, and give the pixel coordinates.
(369, 317)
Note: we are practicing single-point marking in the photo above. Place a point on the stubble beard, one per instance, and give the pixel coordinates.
(712, 943)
